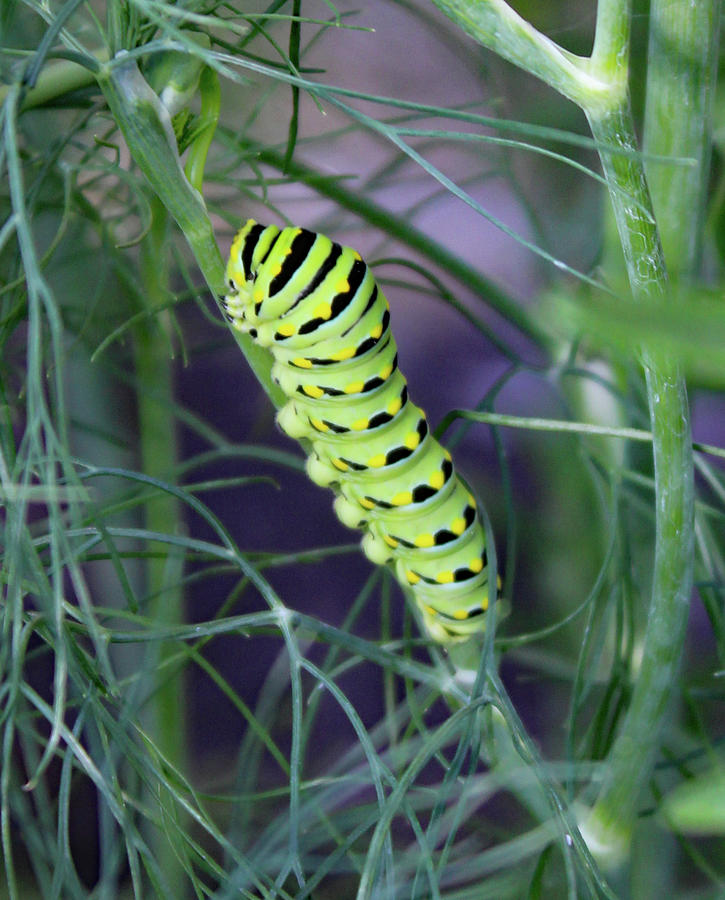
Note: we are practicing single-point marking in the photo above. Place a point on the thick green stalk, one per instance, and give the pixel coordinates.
(629, 766)
(496, 25)
(682, 54)
(599, 86)
(678, 120)
(146, 127)
(157, 440)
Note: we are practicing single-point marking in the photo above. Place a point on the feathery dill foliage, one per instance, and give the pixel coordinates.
(204, 689)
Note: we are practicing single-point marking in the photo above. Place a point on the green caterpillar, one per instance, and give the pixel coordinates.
(316, 306)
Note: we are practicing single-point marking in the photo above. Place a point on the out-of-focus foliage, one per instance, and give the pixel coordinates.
(205, 690)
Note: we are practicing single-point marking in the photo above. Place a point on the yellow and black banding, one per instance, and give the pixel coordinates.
(317, 308)
(360, 424)
(451, 531)
(450, 576)
(420, 493)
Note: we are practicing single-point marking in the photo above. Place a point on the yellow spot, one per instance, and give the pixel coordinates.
(366, 504)
(436, 480)
(355, 387)
(394, 406)
(356, 255)
(319, 425)
(342, 286)
(377, 331)
(447, 454)
(302, 363)
(258, 295)
(386, 372)
(390, 541)
(341, 355)
(312, 390)
(484, 602)
(412, 439)
(402, 499)
(286, 329)
(425, 540)
(460, 613)
(322, 311)
(444, 577)
(375, 462)
(340, 464)
(472, 501)
(277, 270)
(458, 526)
(430, 610)
(360, 425)
(475, 565)
(412, 577)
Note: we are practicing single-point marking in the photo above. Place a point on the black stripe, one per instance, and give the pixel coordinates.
(338, 429)
(379, 419)
(470, 613)
(363, 348)
(272, 247)
(373, 383)
(316, 281)
(368, 306)
(356, 467)
(397, 454)
(462, 574)
(250, 244)
(366, 345)
(341, 301)
(381, 504)
(299, 248)
(423, 492)
(402, 542)
(322, 271)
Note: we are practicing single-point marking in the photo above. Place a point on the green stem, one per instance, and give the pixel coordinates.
(682, 54)
(599, 86)
(611, 38)
(495, 24)
(680, 85)
(157, 432)
(59, 78)
(146, 127)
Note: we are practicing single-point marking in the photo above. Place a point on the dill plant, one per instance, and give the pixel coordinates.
(141, 615)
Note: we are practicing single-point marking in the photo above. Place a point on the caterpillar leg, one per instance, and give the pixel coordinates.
(292, 423)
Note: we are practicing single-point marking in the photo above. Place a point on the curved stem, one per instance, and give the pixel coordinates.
(146, 127)
(602, 93)
(495, 24)
(682, 54)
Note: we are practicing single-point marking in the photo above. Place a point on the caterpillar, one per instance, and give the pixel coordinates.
(316, 306)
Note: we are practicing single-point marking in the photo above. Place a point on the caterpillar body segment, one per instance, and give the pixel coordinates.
(316, 306)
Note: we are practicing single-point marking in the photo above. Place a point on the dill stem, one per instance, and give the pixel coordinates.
(157, 442)
(682, 54)
(599, 85)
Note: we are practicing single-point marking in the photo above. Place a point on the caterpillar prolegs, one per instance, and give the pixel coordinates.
(316, 306)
